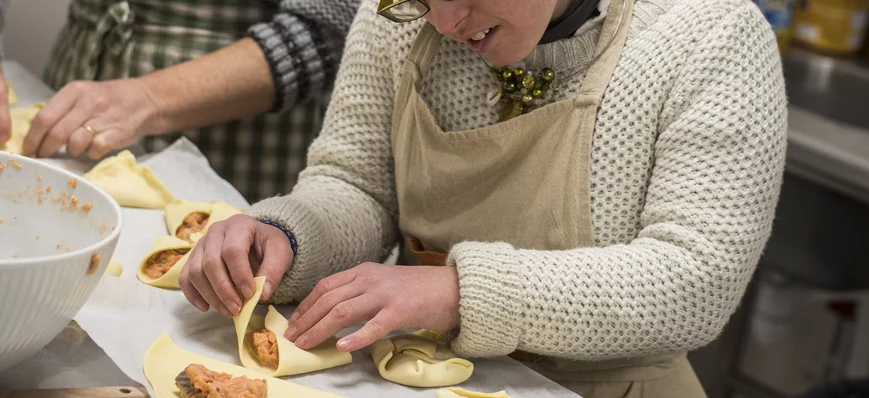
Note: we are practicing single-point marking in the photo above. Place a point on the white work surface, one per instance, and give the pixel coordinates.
(123, 316)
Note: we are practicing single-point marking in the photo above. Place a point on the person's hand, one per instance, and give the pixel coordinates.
(5, 119)
(223, 262)
(117, 112)
(389, 297)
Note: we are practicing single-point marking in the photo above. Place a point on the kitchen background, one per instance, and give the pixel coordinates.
(803, 328)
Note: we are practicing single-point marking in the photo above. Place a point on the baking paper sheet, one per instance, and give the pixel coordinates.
(125, 316)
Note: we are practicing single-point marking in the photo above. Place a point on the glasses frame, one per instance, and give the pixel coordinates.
(385, 5)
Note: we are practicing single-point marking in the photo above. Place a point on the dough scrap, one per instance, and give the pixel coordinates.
(292, 360)
(164, 360)
(169, 280)
(115, 268)
(455, 392)
(21, 118)
(176, 211)
(420, 359)
(130, 184)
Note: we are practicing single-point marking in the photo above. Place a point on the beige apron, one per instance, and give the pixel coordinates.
(525, 182)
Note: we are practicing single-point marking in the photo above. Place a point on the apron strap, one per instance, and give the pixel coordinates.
(425, 47)
(610, 44)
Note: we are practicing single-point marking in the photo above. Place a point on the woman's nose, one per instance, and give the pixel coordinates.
(447, 16)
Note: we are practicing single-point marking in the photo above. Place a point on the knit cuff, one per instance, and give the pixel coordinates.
(298, 55)
(490, 302)
(303, 274)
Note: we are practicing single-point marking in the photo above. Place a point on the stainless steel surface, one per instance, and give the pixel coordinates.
(828, 132)
(833, 88)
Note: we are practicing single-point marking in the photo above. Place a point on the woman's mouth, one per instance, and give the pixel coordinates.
(481, 41)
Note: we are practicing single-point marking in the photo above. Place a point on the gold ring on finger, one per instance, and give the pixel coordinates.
(90, 129)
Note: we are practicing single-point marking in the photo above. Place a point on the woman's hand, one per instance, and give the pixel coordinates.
(389, 297)
(120, 112)
(223, 262)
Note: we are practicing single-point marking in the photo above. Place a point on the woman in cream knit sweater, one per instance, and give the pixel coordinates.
(599, 234)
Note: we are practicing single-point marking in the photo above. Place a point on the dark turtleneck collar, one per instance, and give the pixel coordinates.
(566, 25)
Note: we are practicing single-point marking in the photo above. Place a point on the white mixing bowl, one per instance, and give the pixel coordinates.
(57, 235)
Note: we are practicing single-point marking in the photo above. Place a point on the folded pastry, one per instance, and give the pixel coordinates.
(196, 381)
(421, 359)
(455, 392)
(162, 266)
(22, 118)
(115, 268)
(130, 184)
(165, 361)
(184, 218)
(263, 348)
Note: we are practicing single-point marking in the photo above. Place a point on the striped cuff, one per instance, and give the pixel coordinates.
(298, 56)
(290, 236)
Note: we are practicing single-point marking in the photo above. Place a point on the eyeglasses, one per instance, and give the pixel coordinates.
(402, 10)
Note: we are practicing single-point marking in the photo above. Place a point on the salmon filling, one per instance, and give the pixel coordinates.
(203, 383)
(264, 346)
(160, 263)
(193, 223)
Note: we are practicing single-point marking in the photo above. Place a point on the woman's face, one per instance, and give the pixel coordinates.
(505, 31)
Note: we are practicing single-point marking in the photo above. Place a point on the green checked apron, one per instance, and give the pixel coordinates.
(456, 186)
(112, 39)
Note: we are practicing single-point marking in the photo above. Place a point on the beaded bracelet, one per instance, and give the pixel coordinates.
(287, 232)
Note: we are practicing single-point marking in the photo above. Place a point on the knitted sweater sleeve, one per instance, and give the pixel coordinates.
(303, 45)
(719, 160)
(343, 210)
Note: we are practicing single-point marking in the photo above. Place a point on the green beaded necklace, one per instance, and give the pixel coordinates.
(520, 90)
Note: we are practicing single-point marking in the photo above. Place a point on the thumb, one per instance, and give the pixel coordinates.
(276, 259)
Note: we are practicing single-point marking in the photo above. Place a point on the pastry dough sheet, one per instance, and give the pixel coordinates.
(164, 360)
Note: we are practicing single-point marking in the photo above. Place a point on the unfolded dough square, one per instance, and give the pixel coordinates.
(164, 360)
(130, 184)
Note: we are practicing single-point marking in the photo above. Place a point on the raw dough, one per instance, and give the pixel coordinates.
(455, 392)
(164, 360)
(420, 359)
(178, 210)
(21, 118)
(12, 96)
(115, 268)
(169, 280)
(292, 360)
(130, 184)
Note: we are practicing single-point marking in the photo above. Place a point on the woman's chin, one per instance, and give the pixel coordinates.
(501, 58)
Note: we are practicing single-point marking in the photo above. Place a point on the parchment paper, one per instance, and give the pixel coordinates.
(125, 316)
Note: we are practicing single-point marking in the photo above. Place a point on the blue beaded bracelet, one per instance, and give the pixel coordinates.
(287, 232)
